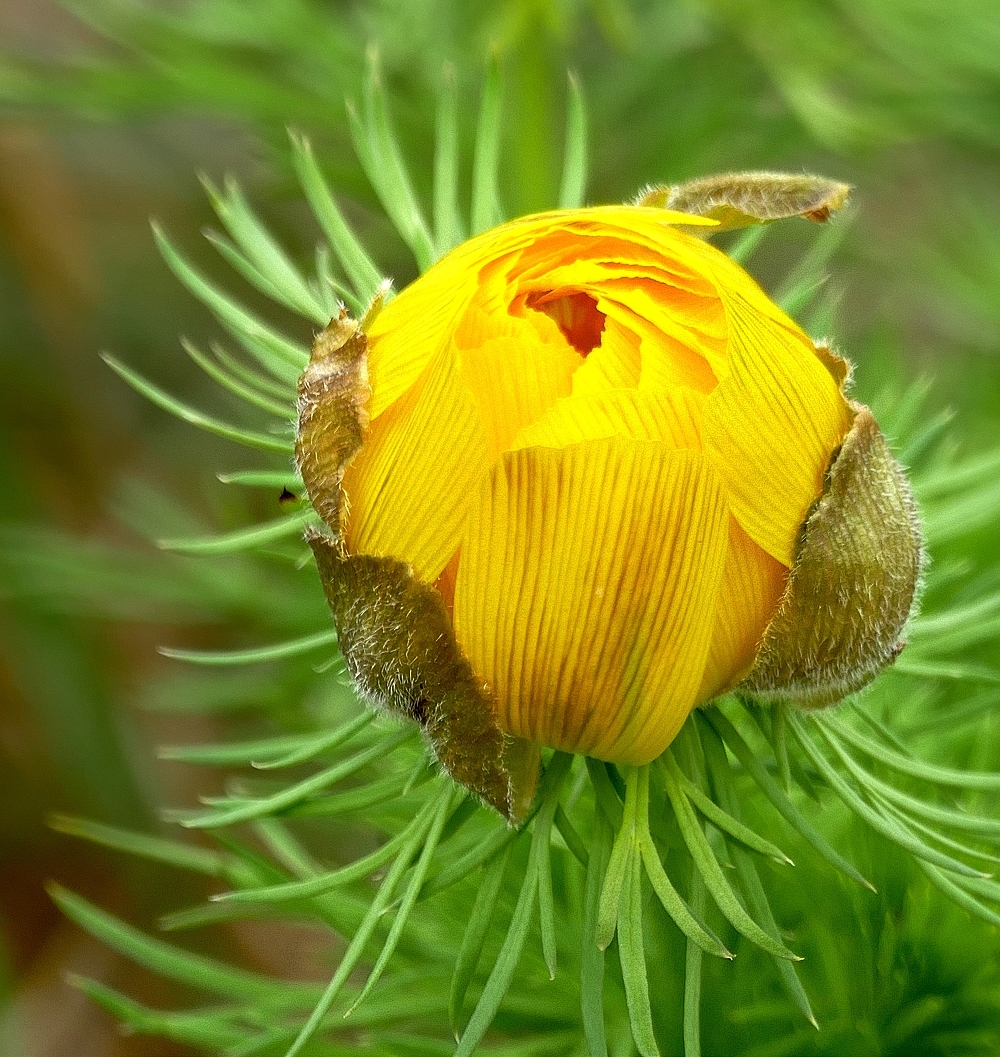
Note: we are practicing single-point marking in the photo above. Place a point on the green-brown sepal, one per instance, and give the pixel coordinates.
(739, 200)
(394, 630)
(853, 583)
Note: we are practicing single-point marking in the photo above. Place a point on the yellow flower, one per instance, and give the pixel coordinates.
(593, 445)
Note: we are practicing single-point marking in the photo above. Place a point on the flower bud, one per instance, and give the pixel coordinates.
(583, 476)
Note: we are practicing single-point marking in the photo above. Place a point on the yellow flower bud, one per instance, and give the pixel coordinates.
(583, 476)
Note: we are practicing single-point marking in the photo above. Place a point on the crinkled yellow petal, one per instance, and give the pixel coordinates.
(752, 585)
(614, 364)
(670, 415)
(410, 486)
(591, 260)
(514, 382)
(417, 324)
(587, 590)
(411, 330)
(696, 323)
(773, 422)
(486, 318)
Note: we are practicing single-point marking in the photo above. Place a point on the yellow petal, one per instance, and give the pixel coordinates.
(410, 486)
(411, 330)
(417, 324)
(773, 422)
(693, 322)
(672, 416)
(587, 591)
(514, 382)
(614, 364)
(483, 319)
(752, 585)
(593, 259)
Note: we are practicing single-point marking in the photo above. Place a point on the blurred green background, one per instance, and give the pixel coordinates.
(110, 108)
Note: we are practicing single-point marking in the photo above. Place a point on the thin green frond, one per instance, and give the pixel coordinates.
(966, 476)
(555, 774)
(235, 385)
(725, 822)
(957, 894)
(746, 244)
(446, 801)
(708, 865)
(197, 418)
(693, 961)
(171, 852)
(237, 753)
(448, 231)
(379, 153)
(881, 823)
(241, 539)
(574, 842)
(486, 208)
(574, 175)
(194, 970)
(325, 741)
(807, 278)
(362, 799)
(277, 354)
(725, 789)
(283, 392)
(499, 981)
(784, 806)
(908, 765)
(214, 1029)
(256, 654)
(360, 269)
(474, 937)
(591, 953)
(690, 922)
(270, 479)
(251, 808)
(632, 955)
(282, 280)
(416, 834)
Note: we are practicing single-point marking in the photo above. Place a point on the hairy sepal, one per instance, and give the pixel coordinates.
(853, 584)
(394, 630)
(740, 200)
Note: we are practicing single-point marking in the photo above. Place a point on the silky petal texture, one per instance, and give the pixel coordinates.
(772, 425)
(752, 585)
(514, 383)
(410, 486)
(411, 330)
(671, 416)
(489, 317)
(615, 364)
(696, 323)
(587, 590)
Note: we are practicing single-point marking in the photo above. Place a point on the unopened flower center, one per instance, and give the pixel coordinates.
(576, 315)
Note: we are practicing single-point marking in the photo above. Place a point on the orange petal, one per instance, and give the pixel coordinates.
(410, 486)
(587, 591)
